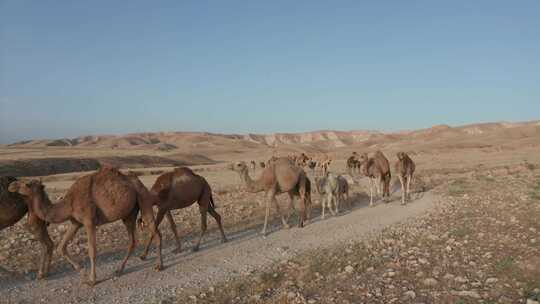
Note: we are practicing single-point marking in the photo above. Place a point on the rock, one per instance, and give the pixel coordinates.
(467, 293)
(448, 276)
(349, 269)
(291, 295)
(409, 295)
(492, 280)
(430, 282)
(422, 261)
(461, 280)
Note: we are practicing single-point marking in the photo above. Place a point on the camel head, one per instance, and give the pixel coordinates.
(238, 166)
(400, 155)
(26, 188)
(363, 158)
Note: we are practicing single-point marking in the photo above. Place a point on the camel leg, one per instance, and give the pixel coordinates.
(370, 192)
(267, 211)
(409, 187)
(217, 217)
(39, 229)
(172, 224)
(68, 236)
(323, 207)
(91, 233)
(337, 198)
(130, 223)
(203, 229)
(159, 218)
(291, 206)
(332, 200)
(280, 214)
(378, 184)
(403, 189)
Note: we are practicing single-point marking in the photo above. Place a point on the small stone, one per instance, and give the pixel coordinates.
(467, 293)
(430, 282)
(291, 295)
(461, 280)
(492, 280)
(349, 269)
(409, 294)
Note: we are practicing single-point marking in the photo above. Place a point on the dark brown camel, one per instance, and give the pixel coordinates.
(95, 199)
(180, 189)
(377, 168)
(12, 209)
(404, 168)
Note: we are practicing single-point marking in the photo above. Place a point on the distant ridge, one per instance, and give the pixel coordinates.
(325, 139)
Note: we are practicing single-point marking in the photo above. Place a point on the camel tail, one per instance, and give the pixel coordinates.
(212, 204)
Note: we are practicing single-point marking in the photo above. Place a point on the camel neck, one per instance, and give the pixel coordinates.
(48, 212)
(251, 185)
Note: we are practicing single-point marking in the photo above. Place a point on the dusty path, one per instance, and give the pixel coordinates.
(216, 262)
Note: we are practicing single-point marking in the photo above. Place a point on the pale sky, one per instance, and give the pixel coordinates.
(70, 68)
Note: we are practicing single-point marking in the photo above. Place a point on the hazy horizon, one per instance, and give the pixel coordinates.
(75, 69)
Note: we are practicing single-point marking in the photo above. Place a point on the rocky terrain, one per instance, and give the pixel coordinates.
(481, 245)
(478, 243)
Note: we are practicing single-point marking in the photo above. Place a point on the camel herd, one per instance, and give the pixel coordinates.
(108, 195)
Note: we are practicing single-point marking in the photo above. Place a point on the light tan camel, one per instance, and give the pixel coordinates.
(280, 175)
(377, 168)
(95, 199)
(336, 188)
(12, 208)
(404, 168)
(180, 189)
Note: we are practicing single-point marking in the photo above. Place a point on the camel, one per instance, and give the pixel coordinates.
(12, 209)
(180, 189)
(93, 200)
(377, 168)
(353, 164)
(335, 188)
(405, 169)
(262, 165)
(280, 176)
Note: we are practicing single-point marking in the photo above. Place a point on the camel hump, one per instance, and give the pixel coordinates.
(183, 170)
(108, 169)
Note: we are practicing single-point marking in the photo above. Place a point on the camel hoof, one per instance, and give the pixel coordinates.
(118, 272)
(90, 283)
(177, 250)
(195, 249)
(158, 267)
(142, 257)
(224, 240)
(40, 276)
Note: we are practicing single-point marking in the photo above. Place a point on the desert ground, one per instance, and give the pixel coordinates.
(470, 234)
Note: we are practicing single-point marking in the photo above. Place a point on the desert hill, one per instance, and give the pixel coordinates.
(52, 156)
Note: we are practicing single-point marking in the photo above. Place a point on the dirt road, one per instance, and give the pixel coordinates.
(246, 251)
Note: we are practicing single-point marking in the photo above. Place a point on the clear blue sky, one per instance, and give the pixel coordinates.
(71, 68)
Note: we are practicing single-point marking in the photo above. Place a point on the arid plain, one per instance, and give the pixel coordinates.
(470, 234)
